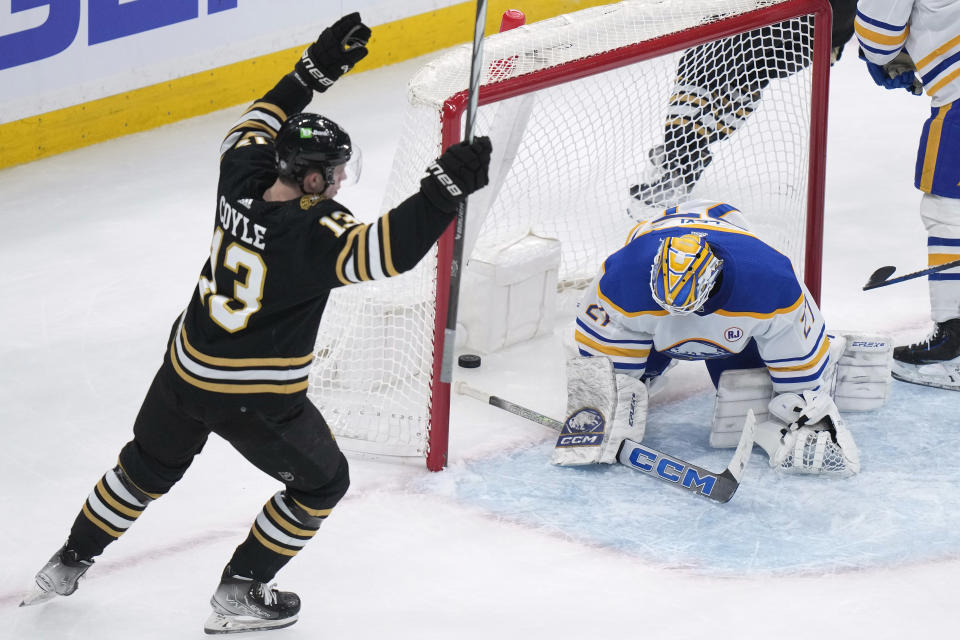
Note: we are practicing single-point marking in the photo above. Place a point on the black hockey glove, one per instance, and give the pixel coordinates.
(338, 48)
(461, 170)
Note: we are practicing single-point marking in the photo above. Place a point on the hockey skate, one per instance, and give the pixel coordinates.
(676, 172)
(242, 604)
(58, 577)
(935, 361)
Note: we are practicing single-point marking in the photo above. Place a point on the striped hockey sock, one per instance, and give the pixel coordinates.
(282, 528)
(114, 504)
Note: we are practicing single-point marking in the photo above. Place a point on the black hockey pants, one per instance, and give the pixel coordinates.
(295, 446)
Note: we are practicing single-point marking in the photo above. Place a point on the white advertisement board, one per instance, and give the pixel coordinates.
(59, 53)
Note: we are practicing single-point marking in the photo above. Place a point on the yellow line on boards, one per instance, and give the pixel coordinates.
(54, 132)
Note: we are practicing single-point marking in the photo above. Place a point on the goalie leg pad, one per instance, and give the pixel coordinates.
(738, 391)
(603, 409)
(863, 373)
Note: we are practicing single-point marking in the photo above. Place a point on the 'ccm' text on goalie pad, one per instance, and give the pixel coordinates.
(602, 410)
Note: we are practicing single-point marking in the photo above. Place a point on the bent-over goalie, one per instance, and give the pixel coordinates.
(695, 284)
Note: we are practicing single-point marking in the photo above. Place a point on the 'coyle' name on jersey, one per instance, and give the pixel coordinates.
(233, 221)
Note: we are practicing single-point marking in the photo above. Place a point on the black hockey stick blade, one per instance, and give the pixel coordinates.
(881, 277)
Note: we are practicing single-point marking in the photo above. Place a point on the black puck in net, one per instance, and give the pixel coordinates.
(469, 361)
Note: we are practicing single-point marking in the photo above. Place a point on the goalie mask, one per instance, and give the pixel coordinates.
(683, 273)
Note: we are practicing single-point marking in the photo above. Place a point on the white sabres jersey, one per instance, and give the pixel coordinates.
(929, 30)
(759, 298)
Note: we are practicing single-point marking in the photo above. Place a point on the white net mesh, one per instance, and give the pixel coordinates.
(728, 120)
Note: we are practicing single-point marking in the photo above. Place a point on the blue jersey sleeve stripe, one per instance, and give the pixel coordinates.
(617, 364)
(816, 346)
(933, 241)
(878, 51)
(877, 23)
(583, 325)
(720, 210)
(940, 68)
(631, 366)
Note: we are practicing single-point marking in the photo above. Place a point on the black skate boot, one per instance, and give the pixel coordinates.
(58, 577)
(242, 604)
(935, 361)
(678, 172)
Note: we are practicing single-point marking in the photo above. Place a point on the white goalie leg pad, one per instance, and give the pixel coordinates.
(863, 373)
(738, 391)
(805, 434)
(603, 409)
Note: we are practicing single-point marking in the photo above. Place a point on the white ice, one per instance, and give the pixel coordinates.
(99, 250)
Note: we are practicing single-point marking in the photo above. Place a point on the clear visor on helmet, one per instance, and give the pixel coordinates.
(683, 274)
(345, 174)
(351, 170)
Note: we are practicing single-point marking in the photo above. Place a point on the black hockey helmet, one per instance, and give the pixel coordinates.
(310, 141)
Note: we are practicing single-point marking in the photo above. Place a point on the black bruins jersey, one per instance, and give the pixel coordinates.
(248, 333)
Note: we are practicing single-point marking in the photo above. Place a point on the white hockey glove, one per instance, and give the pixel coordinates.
(807, 435)
(603, 409)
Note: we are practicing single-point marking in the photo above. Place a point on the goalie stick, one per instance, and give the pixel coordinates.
(881, 277)
(718, 487)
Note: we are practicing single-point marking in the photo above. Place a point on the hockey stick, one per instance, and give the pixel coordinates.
(450, 332)
(718, 487)
(881, 275)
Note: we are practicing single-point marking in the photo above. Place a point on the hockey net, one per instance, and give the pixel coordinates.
(573, 105)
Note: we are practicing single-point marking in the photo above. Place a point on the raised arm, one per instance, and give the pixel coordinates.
(339, 47)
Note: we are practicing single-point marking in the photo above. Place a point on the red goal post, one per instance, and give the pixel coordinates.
(543, 63)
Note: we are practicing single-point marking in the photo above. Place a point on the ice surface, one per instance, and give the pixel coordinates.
(100, 249)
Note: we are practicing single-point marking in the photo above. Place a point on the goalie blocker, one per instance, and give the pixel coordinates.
(603, 410)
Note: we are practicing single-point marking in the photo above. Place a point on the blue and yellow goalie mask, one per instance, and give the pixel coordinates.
(683, 273)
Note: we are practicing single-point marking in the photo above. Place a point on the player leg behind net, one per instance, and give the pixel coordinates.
(718, 87)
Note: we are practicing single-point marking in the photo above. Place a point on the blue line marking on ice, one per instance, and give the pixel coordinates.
(903, 507)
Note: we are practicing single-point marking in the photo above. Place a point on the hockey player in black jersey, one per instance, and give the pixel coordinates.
(718, 86)
(237, 359)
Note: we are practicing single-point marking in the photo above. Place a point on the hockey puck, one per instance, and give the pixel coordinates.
(469, 361)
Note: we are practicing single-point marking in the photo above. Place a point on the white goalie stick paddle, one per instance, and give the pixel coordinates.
(718, 487)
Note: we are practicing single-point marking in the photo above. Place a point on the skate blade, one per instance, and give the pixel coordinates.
(935, 376)
(37, 596)
(218, 623)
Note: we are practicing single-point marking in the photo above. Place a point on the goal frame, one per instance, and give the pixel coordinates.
(454, 109)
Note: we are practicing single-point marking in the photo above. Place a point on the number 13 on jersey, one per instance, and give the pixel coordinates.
(233, 313)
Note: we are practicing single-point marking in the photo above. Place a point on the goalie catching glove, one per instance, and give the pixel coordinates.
(603, 409)
(807, 435)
